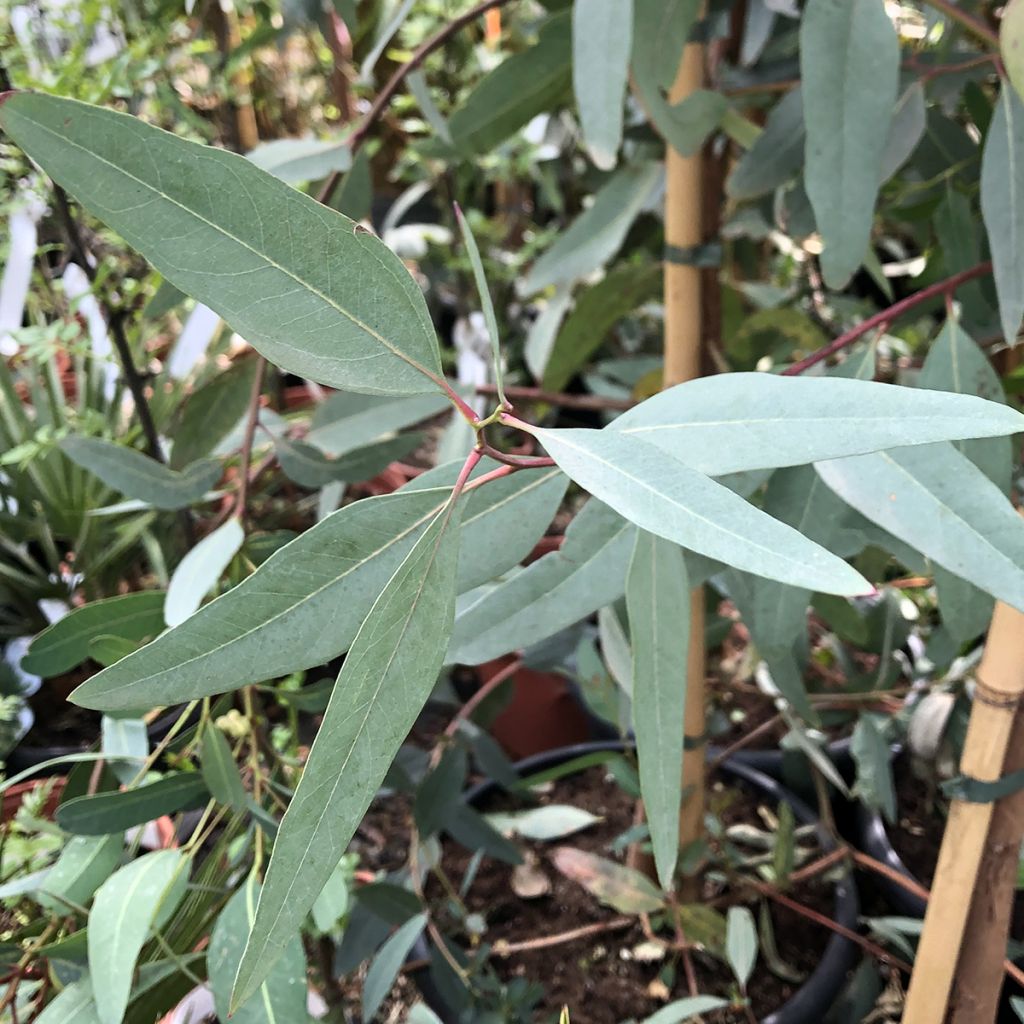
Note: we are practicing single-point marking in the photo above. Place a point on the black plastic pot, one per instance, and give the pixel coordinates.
(873, 838)
(820, 990)
(25, 756)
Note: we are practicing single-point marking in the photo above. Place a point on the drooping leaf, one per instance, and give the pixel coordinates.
(597, 234)
(741, 943)
(554, 592)
(282, 995)
(941, 504)
(873, 758)
(298, 160)
(956, 363)
(291, 276)
(220, 773)
(625, 889)
(665, 496)
(347, 422)
(309, 467)
(541, 824)
(660, 32)
(657, 600)
(387, 676)
(138, 476)
(139, 897)
(198, 572)
(597, 311)
(905, 130)
(106, 813)
(849, 64)
(602, 37)
(72, 1006)
(1011, 43)
(777, 155)
(65, 644)
(303, 606)
(388, 962)
(519, 88)
(1002, 207)
(739, 421)
(211, 413)
(83, 865)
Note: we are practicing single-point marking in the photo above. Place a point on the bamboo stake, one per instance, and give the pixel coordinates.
(1000, 685)
(980, 970)
(683, 318)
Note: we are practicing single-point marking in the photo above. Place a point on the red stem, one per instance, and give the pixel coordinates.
(944, 287)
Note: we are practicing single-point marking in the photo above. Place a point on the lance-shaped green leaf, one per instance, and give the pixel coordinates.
(138, 476)
(65, 644)
(388, 962)
(220, 773)
(777, 155)
(297, 160)
(739, 421)
(671, 500)
(316, 295)
(905, 130)
(588, 572)
(139, 897)
(519, 88)
(303, 606)
(657, 598)
(83, 865)
(596, 235)
(74, 1005)
(309, 467)
(1011, 43)
(602, 36)
(387, 676)
(1002, 207)
(849, 64)
(347, 422)
(682, 1011)
(282, 995)
(198, 572)
(105, 813)
(956, 363)
(942, 505)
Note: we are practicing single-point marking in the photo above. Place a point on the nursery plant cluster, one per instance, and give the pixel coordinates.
(501, 507)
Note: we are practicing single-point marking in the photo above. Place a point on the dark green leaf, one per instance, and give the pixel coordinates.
(106, 813)
(220, 773)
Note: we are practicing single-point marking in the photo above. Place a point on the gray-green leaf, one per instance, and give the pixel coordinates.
(602, 36)
(657, 600)
(387, 676)
(741, 943)
(777, 155)
(738, 421)
(1002, 207)
(282, 996)
(387, 963)
(220, 773)
(83, 865)
(849, 63)
(138, 476)
(314, 293)
(665, 496)
(198, 572)
(132, 901)
(298, 160)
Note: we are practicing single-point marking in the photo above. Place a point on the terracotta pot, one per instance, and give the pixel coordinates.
(12, 797)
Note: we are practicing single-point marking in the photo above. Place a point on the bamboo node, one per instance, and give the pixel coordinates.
(995, 698)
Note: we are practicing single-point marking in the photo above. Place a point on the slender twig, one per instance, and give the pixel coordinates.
(973, 25)
(115, 324)
(745, 741)
(481, 695)
(507, 949)
(818, 866)
(384, 97)
(565, 401)
(518, 461)
(897, 309)
(252, 419)
(826, 922)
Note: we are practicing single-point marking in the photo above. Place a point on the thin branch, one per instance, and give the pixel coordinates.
(115, 324)
(481, 695)
(252, 419)
(565, 401)
(886, 316)
(384, 97)
(507, 949)
(973, 25)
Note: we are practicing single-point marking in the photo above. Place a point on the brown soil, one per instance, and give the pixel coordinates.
(917, 835)
(598, 977)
